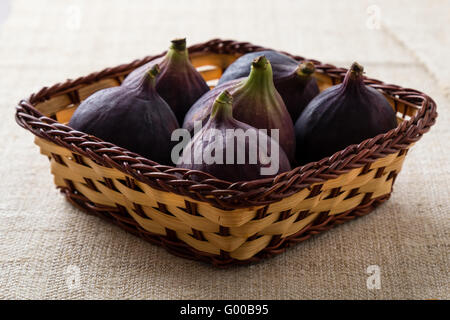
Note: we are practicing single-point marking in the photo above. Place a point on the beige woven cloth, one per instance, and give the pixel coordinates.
(50, 250)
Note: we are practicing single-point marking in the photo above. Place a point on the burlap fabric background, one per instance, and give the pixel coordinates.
(44, 240)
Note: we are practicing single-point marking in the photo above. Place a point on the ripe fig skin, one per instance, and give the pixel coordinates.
(293, 81)
(137, 119)
(298, 88)
(342, 115)
(221, 120)
(256, 102)
(178, 83)
(281, 65)
(203, 107)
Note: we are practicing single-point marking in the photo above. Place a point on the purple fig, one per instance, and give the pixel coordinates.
(222, 138)
(179, 83)
(137, 119)
(256, 102)
(297, 88)
(344, 114)
(281, 64)
(293, 81)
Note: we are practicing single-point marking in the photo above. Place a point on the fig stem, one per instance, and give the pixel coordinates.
(154, 71)
(356, 69)
(179, 44)
(260, 77)
(354, 77)
(177, 53)
(149, 79)
(306, 68)
(260, 62)
(222, 107)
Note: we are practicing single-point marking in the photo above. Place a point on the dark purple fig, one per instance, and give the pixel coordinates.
(344, 114)
(256, 102)
(281, 64)
(293, 81)
(179, 83)
(297, 88)
(137, 119)
(232, 150)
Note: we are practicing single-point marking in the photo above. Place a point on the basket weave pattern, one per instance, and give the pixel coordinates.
(217, 221)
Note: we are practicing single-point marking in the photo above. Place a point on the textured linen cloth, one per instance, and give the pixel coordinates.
(50, 250)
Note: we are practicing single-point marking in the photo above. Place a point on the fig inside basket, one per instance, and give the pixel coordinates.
(216, 221)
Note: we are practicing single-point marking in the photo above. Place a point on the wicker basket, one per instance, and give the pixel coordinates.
(217, 221)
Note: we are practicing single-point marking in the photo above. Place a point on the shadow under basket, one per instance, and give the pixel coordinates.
(217, 221)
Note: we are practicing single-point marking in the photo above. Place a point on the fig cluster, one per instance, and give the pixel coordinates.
(266, 105)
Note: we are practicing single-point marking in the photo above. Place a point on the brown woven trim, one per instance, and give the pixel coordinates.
(220, 193)
(179, 248)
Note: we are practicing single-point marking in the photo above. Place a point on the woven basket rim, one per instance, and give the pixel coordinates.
(220, 193)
